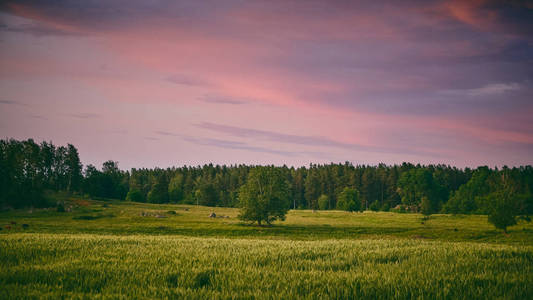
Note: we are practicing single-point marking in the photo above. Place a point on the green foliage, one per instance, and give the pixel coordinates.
(28, 169)
(265, 196)
(73, 169)
(110, 182)
(466, 198)
(175, 189)
(348, 200)
(374, 206)
(206, 194)
(525, 204)
(135, 195)
(505, 207)
(159, 191)
(425, 206)
(312, 188)
(416, 184)
(323, 202)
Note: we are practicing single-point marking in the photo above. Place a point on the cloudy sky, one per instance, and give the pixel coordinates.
(163, 83)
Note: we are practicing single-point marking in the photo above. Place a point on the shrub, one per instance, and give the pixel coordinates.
(323, 202)
(135, 196)
(425, 206)
(503, 209)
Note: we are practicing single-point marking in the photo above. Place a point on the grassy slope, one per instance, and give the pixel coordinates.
(121, 218)
(120, 253)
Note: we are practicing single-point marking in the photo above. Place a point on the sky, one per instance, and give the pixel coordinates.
(172, 83)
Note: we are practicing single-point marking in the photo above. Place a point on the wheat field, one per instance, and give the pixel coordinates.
(65, 255)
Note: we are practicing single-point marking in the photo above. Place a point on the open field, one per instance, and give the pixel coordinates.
(112, 251)
(124, 218)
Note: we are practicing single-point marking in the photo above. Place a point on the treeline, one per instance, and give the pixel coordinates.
(28, 169)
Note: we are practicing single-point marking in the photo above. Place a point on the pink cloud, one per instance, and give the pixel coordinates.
(241, 55)
(470, 13)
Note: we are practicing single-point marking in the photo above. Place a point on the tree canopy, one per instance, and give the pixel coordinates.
(28, 169)
(349, 200)
(504, 209)
(265, 196)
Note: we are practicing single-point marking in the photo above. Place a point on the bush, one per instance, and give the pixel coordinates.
(425, 207)
(374, 206)
(503, 209)
(135, 196)
(323, 202)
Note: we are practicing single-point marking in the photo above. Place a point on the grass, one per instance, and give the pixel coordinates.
(133, 250)
(126, 218)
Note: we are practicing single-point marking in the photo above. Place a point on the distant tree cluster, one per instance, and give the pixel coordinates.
(474, 196)
(110, 182)
(332, 186)
(27, 169)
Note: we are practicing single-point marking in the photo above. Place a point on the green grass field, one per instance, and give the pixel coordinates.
(132, 250)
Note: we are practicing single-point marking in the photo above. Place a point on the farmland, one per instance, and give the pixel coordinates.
(121, 249)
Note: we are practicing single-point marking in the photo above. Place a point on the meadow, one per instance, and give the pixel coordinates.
(135, 250)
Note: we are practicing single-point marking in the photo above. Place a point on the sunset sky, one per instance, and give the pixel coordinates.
(172, 83)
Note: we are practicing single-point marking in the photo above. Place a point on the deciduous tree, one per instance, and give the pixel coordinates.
(265, 196)
(349, 200)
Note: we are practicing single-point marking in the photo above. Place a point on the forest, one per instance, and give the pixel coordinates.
(30, 171)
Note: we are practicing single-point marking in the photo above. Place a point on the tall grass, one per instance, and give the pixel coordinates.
(132, 250)
(165, 266)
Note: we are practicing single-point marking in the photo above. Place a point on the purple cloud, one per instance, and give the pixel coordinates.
(10, 102)
(299, 139)
(243, 146)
